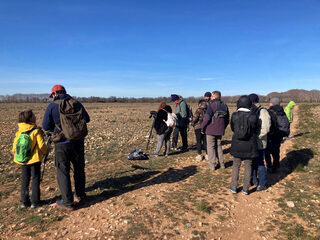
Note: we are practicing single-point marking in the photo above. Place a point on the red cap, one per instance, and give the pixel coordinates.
(57, 88)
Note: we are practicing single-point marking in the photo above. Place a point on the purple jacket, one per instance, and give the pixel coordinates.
(218, 125)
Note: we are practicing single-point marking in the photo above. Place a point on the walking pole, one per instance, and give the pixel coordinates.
(152, 114)
(48, 143)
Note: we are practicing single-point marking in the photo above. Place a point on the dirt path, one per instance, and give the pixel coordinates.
(246, 216)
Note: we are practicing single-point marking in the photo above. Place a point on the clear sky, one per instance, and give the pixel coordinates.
(145, 48)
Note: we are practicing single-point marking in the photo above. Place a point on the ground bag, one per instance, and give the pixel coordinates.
(137, 154)
(72, 121)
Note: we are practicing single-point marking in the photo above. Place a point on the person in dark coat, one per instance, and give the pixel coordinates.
(163, 131)
(244, 124)
(275, 137)
(66, 152)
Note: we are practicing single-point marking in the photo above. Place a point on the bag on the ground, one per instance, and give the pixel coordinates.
(242, 129)
(137, 154)
(72, 121)
(23, 151)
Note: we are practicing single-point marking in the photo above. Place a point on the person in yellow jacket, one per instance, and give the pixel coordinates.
(288, 110)
(32, 167)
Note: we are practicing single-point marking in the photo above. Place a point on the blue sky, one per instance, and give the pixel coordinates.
(154, 48)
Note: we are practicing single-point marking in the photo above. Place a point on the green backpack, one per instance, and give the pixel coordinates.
(23, 147)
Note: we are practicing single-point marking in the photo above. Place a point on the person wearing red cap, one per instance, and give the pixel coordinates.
(66, 151)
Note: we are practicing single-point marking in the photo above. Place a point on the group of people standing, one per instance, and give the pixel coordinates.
(257, 134)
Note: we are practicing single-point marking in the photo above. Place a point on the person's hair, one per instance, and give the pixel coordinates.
(162, 105)
(217, 94)
(201, 101)
(25, 116)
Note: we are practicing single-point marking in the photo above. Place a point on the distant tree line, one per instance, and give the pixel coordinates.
(297, 95)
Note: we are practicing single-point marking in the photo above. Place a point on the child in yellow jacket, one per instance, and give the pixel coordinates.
(32, 167)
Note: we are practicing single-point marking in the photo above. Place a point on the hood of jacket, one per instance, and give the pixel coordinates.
(291, 104)
(25, 127)
(244, 102)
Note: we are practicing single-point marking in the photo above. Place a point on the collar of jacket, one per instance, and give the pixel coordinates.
(243, 110)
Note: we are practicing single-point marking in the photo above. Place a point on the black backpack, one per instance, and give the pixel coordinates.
(242, 128)
(221, 112)
(279, 124)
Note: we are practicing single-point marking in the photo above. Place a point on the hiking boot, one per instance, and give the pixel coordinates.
(233, 190)
(153, 155)
(245, 192)
(60, 204)
(34, 205)
(261, 188)
(198, 157)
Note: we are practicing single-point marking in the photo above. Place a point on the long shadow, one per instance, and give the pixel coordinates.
(112, 187)
(294, 160)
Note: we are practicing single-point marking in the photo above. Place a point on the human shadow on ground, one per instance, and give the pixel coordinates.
(113, 187)
(294, 160)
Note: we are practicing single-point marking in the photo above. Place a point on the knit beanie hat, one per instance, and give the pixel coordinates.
(174, 97)
(207, 94)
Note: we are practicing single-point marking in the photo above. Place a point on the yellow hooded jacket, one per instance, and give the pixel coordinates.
(37, 143)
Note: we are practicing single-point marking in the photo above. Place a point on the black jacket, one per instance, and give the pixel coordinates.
(162, 116)
(244, 148)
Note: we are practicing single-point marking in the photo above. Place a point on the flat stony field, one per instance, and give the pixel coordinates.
(174, 197)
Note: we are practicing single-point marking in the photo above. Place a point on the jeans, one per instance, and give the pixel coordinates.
(33, 170)
(259, 169)
(184, 135)
(201, 140)
(166, 138)
(247, 173)
(65, 154)
(213, 145)
(273, 149)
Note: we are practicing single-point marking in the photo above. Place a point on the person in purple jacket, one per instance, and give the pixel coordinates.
(214, 124)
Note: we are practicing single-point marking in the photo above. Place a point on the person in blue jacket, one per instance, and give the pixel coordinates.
(66, 152)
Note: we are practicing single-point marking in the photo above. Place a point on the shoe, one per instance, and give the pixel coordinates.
(233, 190)
(206, 157)
(60, 204)
(153, 155)
(79, 200)
(23, 206)
(198, 157)
(261, 188)
(245, 192)
(33, 206)
(211, 167)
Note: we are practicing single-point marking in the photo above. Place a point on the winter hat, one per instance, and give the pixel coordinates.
(254, 98)
(174, 97)
(275, 101)
(207, 94)
(56, 88)
(244, 102)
